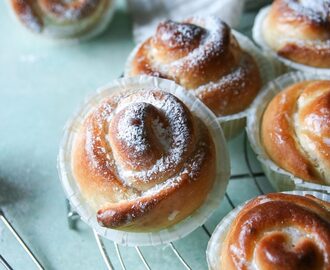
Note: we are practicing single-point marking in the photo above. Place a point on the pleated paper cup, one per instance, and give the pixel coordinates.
(280, 179)
(215, 244)
(233, 124)
(177, 231)
(288, 65)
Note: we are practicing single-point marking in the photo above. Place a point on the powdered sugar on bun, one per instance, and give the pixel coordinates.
(139, 156)
(200, 53)
(300, 31)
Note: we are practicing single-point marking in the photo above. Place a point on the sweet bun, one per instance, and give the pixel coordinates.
(63, 19)
(295, 130)
(278, 231)
(143, 160)
(203, 56)
(300, 31)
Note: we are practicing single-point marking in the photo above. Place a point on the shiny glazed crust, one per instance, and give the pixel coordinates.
(295, 130)
(279, 231)
(60, 18)
(203, 56)
(143, 161)
(300, 31)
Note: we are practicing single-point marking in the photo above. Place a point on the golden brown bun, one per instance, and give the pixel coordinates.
(300, 31)
(279, 231)
(143, 161)
(295, 130)
(204, 57)
(60, 18)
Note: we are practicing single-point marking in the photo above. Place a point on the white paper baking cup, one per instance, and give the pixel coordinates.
(218, 236)
(280, 179)
(233, 124)
(65, 33)
(257, 33)
(178, 230)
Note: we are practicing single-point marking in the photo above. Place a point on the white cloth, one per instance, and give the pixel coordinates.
(148, 13)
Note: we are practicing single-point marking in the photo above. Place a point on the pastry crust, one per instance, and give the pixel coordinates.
(279, 231)
(143, 161)
(300, 31)
(203, 56)
(295, 130)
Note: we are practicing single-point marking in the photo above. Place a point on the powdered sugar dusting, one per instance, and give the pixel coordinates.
(69, 11)
(134, 135)
(172, 125)
(177, 145)
(316, 10)
(179, 34)
(210, 45)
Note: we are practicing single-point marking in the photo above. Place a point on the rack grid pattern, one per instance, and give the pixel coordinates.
(252, 177)
(113, 254)
(249, 176)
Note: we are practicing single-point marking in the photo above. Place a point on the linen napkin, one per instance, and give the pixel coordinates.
(148, 13)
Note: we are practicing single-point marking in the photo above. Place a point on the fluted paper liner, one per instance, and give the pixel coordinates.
(215, 244)
(280, 179)
(257, 33)
(178, 230)
(233, 124)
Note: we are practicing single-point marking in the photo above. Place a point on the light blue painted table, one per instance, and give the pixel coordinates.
(41, 84)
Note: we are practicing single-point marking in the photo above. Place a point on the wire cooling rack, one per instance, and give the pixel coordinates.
(251, 176)
(20, 240)
(112, 253)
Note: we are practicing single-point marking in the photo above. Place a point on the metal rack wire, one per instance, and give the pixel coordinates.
(20, 240)
(73, 217)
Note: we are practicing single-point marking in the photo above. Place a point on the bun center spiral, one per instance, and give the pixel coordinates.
(301, 254)
(279, 231)
(150, 140)
(176, 40)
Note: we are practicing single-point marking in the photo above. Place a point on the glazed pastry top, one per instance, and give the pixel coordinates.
(300, 30)
(295, 130)
(279, 231)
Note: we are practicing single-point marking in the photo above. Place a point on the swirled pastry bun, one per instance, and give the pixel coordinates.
(143, 160)
(276, 232)
(203, 56)
(300, 31)
(295, 130)
(64, 19)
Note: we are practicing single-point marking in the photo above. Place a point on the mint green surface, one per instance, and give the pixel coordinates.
(41, 85)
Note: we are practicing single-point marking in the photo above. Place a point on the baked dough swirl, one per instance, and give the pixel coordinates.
(279, 231)
(300, 30)
(143, 160)
(61, 18)
(295, 130)
(203, 56)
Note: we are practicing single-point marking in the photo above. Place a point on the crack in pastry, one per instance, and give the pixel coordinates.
(143, 161)
(300, 31)
(203, 56)
(295, 130)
